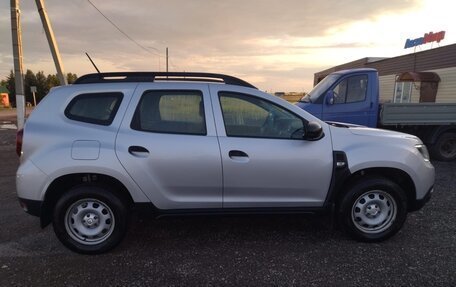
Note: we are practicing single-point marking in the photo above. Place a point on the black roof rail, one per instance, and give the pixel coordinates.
(125, 77)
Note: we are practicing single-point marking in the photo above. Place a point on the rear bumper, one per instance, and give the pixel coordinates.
(32, 207)
(419, 203)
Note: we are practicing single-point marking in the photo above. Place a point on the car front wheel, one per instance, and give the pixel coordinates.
(373, 209)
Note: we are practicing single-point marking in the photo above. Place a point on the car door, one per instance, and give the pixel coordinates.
(349, 101)
(266, 162)
(168, 144)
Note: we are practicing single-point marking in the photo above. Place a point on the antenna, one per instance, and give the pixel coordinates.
(95, 66)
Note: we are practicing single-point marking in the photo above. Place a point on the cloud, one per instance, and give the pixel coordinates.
(221, 36)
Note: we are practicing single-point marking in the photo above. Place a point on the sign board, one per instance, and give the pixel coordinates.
(33, 89)
(427, 38)
(4, 100)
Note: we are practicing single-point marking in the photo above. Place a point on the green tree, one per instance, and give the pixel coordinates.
(42, 82)
(41, 86)
(29, 81)
(71, 78)
(52, 81)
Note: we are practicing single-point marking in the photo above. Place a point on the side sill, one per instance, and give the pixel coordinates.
(150, 209)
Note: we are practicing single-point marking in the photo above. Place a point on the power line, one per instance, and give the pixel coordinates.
(151, 50)
(122, 32)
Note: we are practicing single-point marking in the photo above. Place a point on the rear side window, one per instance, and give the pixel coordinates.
(167, 111)
(95, 108)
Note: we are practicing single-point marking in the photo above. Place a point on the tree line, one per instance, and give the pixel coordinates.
(42, 82)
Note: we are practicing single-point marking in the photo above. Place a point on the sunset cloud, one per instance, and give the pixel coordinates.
(277, 45)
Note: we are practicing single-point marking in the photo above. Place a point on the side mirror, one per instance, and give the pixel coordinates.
(313, 131)
(330, 98)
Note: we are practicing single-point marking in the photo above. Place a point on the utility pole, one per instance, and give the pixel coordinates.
(167, 56)
(17, 55)
(52, 43)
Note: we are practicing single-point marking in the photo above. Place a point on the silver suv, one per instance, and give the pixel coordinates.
(181, 143)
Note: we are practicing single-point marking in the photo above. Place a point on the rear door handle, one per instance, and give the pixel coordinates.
(138, 150)
(237, 153)
(239, 156)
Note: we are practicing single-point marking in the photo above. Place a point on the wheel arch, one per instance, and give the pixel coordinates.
(445, 152)
(62, 184)
(439, 131)
(398, 176)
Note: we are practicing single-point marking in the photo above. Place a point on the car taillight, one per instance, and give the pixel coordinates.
(19, 136)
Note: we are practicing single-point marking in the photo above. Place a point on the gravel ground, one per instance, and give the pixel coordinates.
(249, 250)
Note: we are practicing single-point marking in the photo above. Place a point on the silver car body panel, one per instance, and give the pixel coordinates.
(49, 137)
(277, 172)
(180, 171)
(191, 171)
(372, 148)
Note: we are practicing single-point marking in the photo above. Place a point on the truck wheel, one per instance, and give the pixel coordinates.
(445, 147)
(373, 209)
(90, 219)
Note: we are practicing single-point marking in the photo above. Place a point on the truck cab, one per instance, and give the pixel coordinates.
(352, 96)
(345, 96)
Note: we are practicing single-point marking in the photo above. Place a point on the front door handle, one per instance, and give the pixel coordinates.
(138, 150)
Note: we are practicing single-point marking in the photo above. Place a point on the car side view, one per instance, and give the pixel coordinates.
(189, 143)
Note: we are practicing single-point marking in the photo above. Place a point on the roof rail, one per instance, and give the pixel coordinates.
(125, 77)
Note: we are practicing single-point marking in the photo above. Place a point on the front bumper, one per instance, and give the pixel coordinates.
(419, 203)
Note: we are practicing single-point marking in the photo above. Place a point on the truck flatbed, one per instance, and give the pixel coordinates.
(418, 114)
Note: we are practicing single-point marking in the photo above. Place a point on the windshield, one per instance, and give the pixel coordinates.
(320, 88)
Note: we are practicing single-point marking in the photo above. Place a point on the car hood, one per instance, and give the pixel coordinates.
(364, 131)
(341, 128)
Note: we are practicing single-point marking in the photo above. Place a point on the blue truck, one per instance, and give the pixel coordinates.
(352, 96)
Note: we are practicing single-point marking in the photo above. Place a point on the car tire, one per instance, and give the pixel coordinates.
(445, 147)
(372, 209)
(90, 219)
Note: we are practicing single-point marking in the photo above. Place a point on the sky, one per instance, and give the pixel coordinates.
(275, 45)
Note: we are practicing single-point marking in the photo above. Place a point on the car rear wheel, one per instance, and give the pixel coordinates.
(445, 147)
(373, 209)
(90, 219)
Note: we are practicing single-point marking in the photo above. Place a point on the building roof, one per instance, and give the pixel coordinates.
(437, 58)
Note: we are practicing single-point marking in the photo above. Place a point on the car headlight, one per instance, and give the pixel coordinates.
(423, 151)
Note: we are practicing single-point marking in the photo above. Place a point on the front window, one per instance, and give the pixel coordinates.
(320, 88)
(249, 116)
